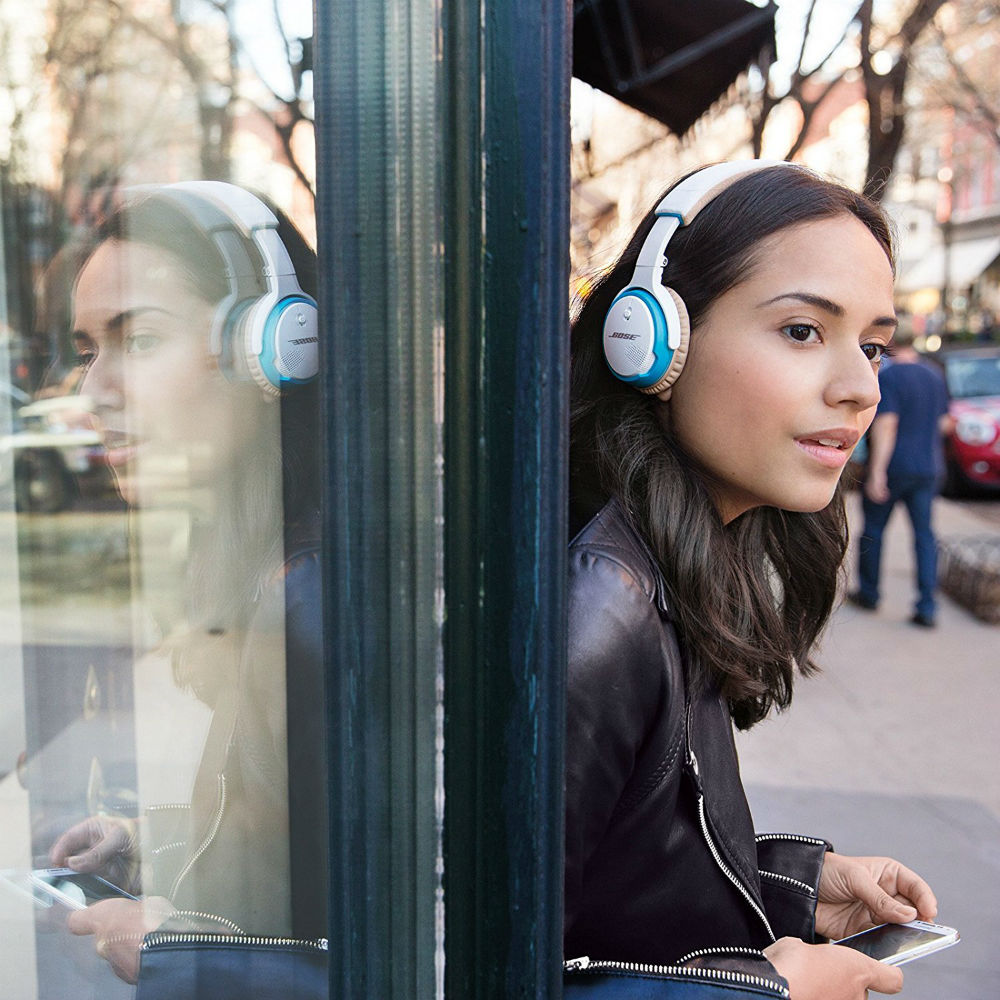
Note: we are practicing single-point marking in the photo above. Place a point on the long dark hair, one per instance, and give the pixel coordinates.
(750, 598)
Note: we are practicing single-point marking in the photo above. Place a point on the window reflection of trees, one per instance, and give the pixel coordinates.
(94, 92)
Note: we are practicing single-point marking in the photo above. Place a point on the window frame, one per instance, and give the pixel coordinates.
(500, 94)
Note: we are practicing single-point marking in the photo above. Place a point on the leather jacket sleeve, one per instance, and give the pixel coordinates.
(790, 868)
(614, 692)
(307, 791)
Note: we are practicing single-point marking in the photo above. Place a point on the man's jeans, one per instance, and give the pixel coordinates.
(917, 493)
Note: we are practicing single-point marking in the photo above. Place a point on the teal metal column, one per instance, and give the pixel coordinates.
(378, 217)
(507, 72)
(443, 237)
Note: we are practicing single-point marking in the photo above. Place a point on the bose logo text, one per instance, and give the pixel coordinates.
(306, 340)
(618, 335)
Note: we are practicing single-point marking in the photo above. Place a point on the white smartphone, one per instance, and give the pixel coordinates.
(895, 944)
(76, 890)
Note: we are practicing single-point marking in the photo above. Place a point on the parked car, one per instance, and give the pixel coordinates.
(972, 449)
(49, 450)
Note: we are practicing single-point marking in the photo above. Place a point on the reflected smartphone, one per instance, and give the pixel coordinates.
(76, 890)
(895, 944)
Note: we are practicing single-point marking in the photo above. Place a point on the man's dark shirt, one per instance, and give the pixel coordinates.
(916, 392)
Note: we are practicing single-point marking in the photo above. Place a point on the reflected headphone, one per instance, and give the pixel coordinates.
(646, 329)
(265, 328)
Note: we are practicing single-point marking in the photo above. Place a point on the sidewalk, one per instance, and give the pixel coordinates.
(895, 749)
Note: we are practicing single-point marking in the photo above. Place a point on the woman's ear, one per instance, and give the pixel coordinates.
(662, 410)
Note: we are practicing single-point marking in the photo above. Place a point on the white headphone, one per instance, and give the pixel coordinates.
(646, 329)
(266, 326)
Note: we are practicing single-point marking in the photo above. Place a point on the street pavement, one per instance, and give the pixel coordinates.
(894, 750)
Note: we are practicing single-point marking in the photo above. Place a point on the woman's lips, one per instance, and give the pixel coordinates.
(120, 455)
(829, 452)
(119, 448)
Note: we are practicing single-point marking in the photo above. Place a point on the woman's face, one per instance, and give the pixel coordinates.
(172, 422)
(781, 378)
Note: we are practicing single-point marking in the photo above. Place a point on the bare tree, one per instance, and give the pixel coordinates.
(138, 80)
(290, 108)
(820, 78)
(884, 81)
(957, 66)
(125, 98)
(218, 77)
(213, 75)
(884, 90)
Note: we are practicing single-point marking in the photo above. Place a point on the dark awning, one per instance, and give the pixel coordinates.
(670, 59)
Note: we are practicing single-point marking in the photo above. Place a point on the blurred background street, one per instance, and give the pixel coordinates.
(894, 749)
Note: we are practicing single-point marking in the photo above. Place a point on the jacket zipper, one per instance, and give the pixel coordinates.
(815, 841)
(216, 822)
(735, 949)
(703, 820)
(584, 964)
(231, 925)
(163, 848)
(797, 883)
(201, 937)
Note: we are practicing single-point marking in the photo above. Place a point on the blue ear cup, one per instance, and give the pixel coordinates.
(280, 341)
(635, 338)
(291, 341)
(646, 339)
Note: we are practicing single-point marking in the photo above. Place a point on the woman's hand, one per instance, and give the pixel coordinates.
(830, 971)
(858, 893)
(118, 926)
(108, 845)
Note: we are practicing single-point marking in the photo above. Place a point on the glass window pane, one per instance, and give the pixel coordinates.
(161, 725)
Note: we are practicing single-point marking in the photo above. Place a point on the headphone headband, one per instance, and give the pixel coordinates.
(687, 198)
(679, 207)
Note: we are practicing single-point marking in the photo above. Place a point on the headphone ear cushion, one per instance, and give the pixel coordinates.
(276, 343)
(663, 388)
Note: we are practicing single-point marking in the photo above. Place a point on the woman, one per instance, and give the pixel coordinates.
(710, 533)
(208, 416)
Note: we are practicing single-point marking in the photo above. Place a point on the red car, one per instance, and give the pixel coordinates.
(973, 447)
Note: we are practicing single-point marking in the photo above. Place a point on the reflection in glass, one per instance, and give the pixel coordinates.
(198, 346)
(158, 505)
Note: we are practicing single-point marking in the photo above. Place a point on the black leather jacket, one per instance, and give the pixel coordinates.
(661, 857)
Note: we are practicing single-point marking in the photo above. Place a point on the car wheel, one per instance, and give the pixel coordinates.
(41, 484)
(954, 482)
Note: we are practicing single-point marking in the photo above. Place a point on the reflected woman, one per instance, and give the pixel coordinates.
(198, 335)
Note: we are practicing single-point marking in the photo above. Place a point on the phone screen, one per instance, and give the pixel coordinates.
(897, 943)
(76, 889)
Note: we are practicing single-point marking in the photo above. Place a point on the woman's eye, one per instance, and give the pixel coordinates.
(84, 350)
(141, 341)
(801, 333)
(874, 352)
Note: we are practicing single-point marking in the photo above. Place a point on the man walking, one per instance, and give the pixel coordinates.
(905, 463)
